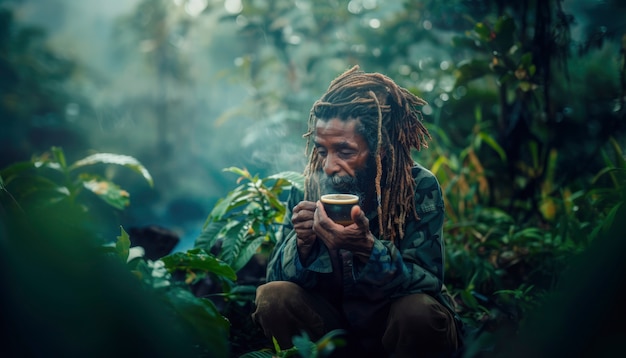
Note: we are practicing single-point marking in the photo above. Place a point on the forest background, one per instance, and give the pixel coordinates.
(526, 109)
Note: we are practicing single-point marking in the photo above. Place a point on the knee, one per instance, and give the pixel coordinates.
(277, 290)
(419, 322)
(420, 312)
(276, 295)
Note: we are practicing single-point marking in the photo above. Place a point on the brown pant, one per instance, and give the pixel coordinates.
(411, 326)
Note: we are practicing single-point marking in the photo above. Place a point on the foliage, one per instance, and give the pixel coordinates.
(48, 182)
(304, 347)
(248, 218)
(57, 271)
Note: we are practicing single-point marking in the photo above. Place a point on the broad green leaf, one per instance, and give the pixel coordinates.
(233, 239)
(198, 259)
(242, 293)
(210, 234)
(14, 171)
(118, 159)
(208, 324)
(296, 179)
(106, 190)
(36, 190)
(234, 199)
(250, 247)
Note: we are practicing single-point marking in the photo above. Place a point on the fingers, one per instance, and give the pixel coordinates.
(359, 218)
(303, 212)
(304, 206)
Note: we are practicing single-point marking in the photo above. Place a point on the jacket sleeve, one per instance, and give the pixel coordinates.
(284, 263)
(415, 263)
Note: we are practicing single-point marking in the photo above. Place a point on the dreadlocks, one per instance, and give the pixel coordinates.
(391, 124)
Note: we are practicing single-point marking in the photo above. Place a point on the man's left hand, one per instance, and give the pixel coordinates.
(355, 237)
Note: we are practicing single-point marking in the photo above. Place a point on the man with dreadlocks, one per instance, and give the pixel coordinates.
(379, 279)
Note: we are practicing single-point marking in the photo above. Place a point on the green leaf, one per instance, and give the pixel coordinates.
(60, 157)
(469, 300)
(122, 245)
(233, 200)
(504, 30)
(106, 190)
(241, 172)
(38, 191)
(198, 259)
(263, 353)
(483, 32)
(210, 327)
(118, 159)
(493, 144)
(15, 170)
(470, 70)
(294, 178)
(246, 251)
(209, 235)
(234, 234)
(619, 155)
(304, 345)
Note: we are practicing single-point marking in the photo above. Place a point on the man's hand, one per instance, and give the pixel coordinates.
(355, 237)
(302, 220)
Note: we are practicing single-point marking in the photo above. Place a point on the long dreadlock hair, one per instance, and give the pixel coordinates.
(391, 124)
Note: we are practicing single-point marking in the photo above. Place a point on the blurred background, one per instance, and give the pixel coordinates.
(190, 87)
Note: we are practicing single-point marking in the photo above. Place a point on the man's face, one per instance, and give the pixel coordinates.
(346, 160)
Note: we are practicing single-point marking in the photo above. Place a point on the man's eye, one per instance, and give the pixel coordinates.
(347, 153)
(322, 152)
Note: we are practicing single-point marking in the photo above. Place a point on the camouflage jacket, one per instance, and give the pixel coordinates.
(413, 264)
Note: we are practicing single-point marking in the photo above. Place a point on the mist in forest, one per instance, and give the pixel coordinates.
(185, 118)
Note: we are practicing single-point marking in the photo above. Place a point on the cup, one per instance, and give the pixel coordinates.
(339, 206)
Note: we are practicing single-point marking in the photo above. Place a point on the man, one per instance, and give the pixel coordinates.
(380, 278)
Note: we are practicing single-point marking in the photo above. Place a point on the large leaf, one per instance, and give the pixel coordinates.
(198, 259)
(245, 253)
(15, 170)
(118, 159)
(37, 191)
(233, 200)
(106, 190)
(234, 236)
(210, 234)
(294, 178)
(201, 315)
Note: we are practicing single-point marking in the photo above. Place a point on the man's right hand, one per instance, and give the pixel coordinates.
(302, 220)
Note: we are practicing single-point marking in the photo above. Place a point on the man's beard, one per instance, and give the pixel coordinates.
(361, 184)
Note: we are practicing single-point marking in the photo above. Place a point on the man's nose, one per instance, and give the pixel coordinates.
(331, 165)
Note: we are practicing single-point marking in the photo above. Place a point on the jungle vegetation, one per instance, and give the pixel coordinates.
(196, 125)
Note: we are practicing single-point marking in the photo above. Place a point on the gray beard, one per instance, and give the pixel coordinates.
(362, 185)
